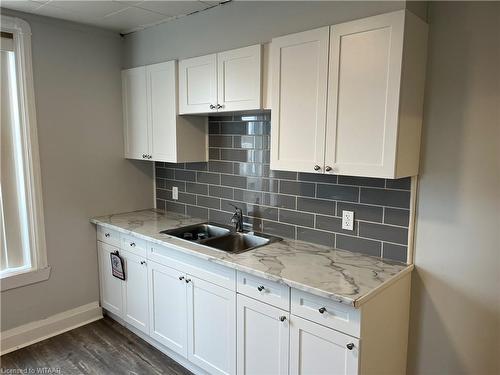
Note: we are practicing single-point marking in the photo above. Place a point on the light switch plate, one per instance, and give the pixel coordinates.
(348, 220)
(175, 193)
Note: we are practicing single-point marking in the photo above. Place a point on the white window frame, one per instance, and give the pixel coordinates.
(39, 270)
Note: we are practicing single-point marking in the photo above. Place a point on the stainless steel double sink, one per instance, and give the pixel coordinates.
(222, 237)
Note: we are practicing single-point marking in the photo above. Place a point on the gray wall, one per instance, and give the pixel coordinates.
(243, 23)
(456, 299)
(78, 100)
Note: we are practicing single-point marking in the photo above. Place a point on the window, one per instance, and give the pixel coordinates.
(22, 235)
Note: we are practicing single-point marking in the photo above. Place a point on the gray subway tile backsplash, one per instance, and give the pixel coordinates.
(304, 206)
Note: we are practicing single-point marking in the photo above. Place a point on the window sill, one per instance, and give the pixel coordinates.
(25, 278)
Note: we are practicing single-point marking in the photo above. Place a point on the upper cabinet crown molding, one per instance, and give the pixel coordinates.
(226, 81)
(370, 124)
(153, 130)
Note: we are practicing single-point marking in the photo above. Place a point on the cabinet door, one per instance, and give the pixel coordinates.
(135, 292)
(110, 286)
(239, 79)
(162, 91)
(135, 113)
(263, 334)
(198, 85)
(300, 73)
(168, 307)
(211, 327)
(317, 350)
(365, 71)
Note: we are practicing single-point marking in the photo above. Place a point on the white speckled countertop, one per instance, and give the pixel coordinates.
(340, 275)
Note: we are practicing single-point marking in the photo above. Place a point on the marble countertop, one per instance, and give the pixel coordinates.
(343, 276)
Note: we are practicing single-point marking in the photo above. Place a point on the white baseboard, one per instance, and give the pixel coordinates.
(33, 332)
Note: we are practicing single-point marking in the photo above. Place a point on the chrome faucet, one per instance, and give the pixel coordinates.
(237, 218)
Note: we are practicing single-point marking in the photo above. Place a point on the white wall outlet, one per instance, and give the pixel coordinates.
(175, 192)
(348, 220)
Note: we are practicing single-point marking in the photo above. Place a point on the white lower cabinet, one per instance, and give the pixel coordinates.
(224, 322)
(262, 338)
(168, 307)
(317, 350)
(135, 292)
(211, 326)
(110, 287)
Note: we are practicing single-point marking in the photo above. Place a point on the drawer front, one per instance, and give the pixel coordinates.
(203, 269)
(326, 312)
(108, 236)
(264, 290)
(134, 245)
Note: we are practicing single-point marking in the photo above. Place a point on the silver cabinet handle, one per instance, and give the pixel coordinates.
(132, 244)
(143, 262)
(350, 346)
(188, 281)
(282, 318)
(322, 310)
(317, 167)
(150, 157)
(106, 234)
(181, 278)
(219, 106)
(260, 288)
(144, 156)
(212, 106)
(328, 168)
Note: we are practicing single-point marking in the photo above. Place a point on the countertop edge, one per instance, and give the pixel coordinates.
(356, 303)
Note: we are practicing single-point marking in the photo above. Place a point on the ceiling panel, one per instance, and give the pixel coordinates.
(130, 18)
(174, 8)
(118, 15)
(89, 9)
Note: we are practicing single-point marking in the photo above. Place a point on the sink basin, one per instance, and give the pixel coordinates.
(221, 237)
(239, 242)
(198, 232)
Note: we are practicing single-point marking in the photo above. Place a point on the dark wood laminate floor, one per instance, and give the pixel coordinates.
(102, 347)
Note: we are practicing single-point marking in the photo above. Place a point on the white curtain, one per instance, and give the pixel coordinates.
(14, 238)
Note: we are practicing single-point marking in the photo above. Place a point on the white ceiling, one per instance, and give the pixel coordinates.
(123, 16)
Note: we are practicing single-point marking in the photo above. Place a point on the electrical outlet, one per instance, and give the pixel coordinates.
(348, 220)
(175, 192)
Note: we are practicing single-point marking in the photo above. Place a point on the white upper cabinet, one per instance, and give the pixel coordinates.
(198, 84)
(135, 113)
(226, 81)
(239, 80)
(153, 128)
(299, 67)
(375, 72)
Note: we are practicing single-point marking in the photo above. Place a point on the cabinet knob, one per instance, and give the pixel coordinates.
(282, 318)
(106, 234)
(219, 106)
(260, 288)
(328, 168)
(132, 244)
(188, 281)
(317, 167)
(143, 262)
(322, 310)
(181, 278)
(212, 106)
(350, 346)
(144, 156)
(150, 157)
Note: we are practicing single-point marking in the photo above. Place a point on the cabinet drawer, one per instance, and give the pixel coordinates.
(326, 312)
(203, 269)
(109, 236)
(264, 290)
(134, 245)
